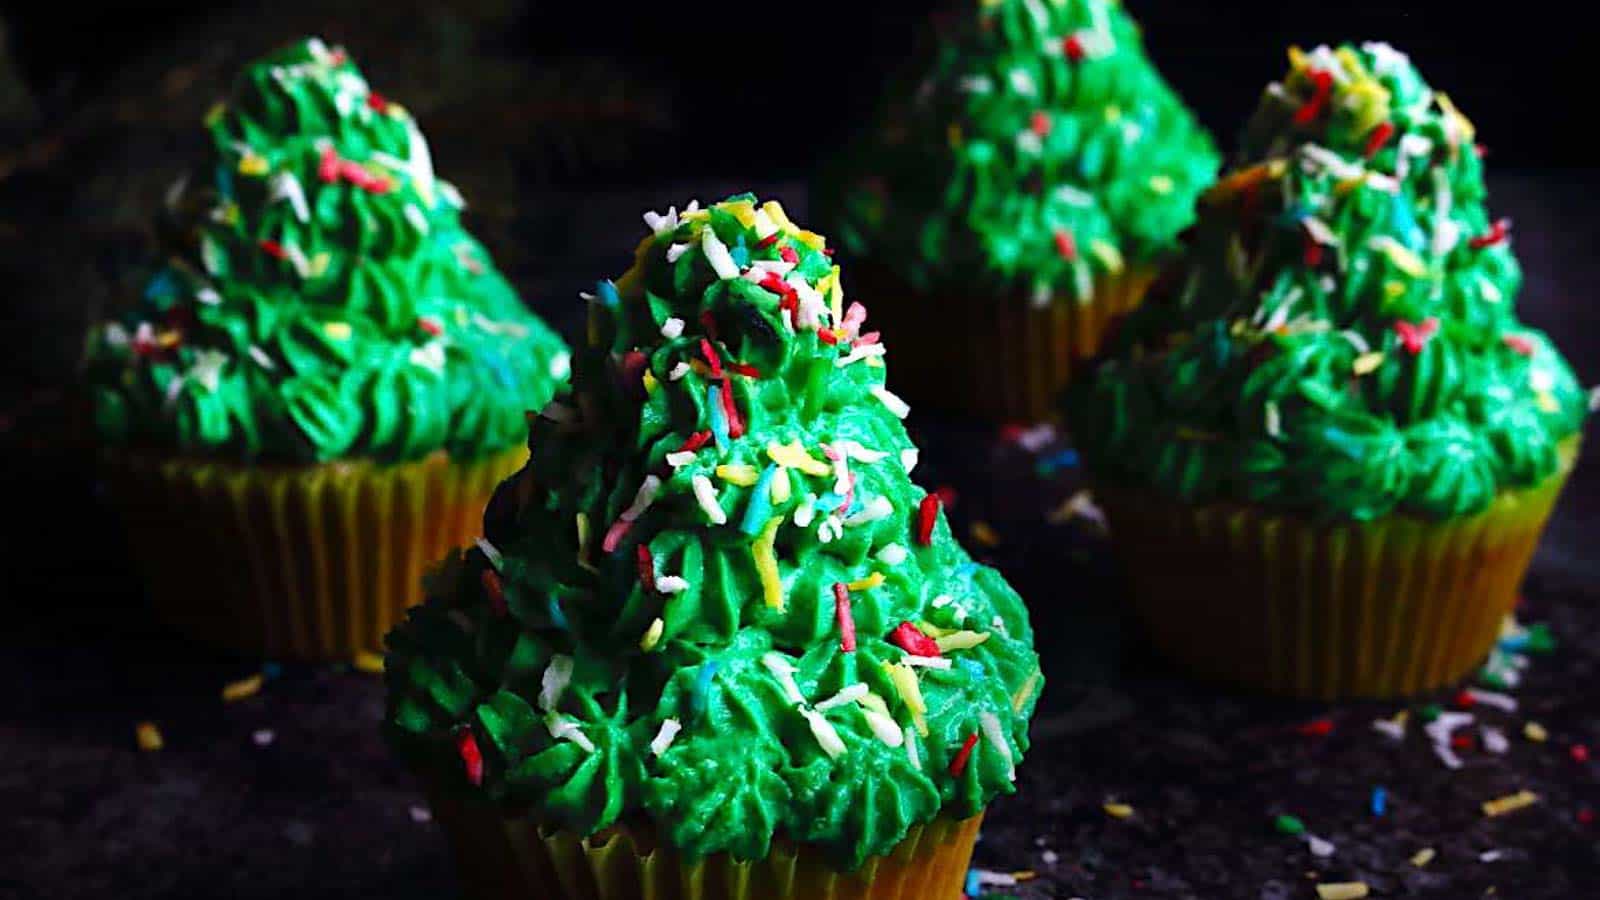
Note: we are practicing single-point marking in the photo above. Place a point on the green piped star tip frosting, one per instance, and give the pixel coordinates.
(714, 601)
(1342, 338)
(1035, 148)
(319, 297)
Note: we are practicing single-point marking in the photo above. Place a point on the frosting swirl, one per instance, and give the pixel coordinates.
(1033, 148)
(320, 298)
(714, 600)
(1341, 337)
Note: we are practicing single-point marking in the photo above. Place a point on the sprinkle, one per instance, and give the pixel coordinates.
(1322, 87)
(730, 411)
(1066, 247)
(367, 662)
(614, 535)
(672, 328)
(877, 508)
(859, 353)
(263, 737)
(1509, 803)
(652, 635)
(1520, 343)
(927, 514)
(841, 612)
(927, 662)
(1342, 890)
(905, 684)
(1494, 740)
(234, 691)
(824, 732)
(848, 695)
(564, 729)
(1497, 233)
(642, 499)
(1579, 753)
(984, 534)
(959, 763)
(794, 456)
(910, 455)
(1020, 698)
(1416, 337)
(760, 506)
(680, 458)
(883, 727)
(961, 640)
(555, 680)
(996, 737)
(494, 591)
(766, 561)
(1274, 419)
(868, 583)
(706, 496)
(1380, 801)
(702, 683)
(716, 253)
(1535, 732)
(1490, 698)
(678, 370)
(557, 617)
(664, 737)
(1377, 138)
(1422, 857)
(490, 552)
(1290, 825)
(1489, 856)
(1367, 362)
(907, 637)
(738, 474)
(148, 737)
(894, 404)
(1316, 728)
(675, 252)
(471, 757)
(1395, 728)
(783, 671)
(910, 740)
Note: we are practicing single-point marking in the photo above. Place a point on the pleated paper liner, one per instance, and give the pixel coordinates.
(1298, 608)
(304, 562)
(999, 359)
(508, 859)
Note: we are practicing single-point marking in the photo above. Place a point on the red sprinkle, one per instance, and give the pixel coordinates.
(1323, 82)
(735, 424)
(1579, 752)
(377, 101)
(1041, 123)
(1498, 232)
(1415, 337)
(1480, 150)
(1316, 728)
(787, 254)
(1462, 742)
(927, 514)
(1520, 343)
(1313, 252)
(959, 764)
(495, 591)
(909, 638)
(328, 165)
(847, 622)
(768, 241)
(1072, 46)
(1378, 137)
(614, 534)
(710, 353)
(430, 325)
(647, 568)
(827, 336)
(471, 756)
(273, 249)
(1465, 700)
(745, 369)
(696, 441)
(1066, 246)
(1585, 816)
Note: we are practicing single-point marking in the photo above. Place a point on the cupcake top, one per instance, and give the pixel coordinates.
(714, 602)
(1342, 337)
(1034, 148)
(320, 298)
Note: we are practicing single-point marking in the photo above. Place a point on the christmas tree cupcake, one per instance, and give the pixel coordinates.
(325, 378)
(1327, 453)
(1026, 178)
(715, 642)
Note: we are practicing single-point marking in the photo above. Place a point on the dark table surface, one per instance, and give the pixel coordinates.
(290, 793)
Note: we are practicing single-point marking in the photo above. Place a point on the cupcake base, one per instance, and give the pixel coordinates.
(1000, 359)
(509, 859)
(1288, 606)
(305, 562)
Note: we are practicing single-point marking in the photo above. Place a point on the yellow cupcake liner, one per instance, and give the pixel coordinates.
(509, 859)
(1000, 359)
(306, 562)
(1293, 607)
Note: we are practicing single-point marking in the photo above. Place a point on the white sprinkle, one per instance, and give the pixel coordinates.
(812, 306)
(823, 731)
(883, 727)
(664, 737)
(1494, 740)
(855, 451)
(860, 353)
(976, 84)
(263, 737)
(877, 508)
(849, 694)
(421, 815)
(554, 683)
(676, 251)
(564, 729)
(643, 499)
(671, 328)
(1394, 729)
(717, 254)
(1029, 143)
(429, 356)
(926, 662)
(760, 268)
(1594, 399)
(892, 555)
(942, 600)
(783, 671)
(1541, 380)
(285, 186)
(672, 584)
(659, 223)
(1448, 721)
(764, 225)
(1447, 756)
(911, 747)
(416, 218)
(994, 879)
(910, 455)
(1320, 848)
(1050, 857)
(677, 372)
(896, 406)
(560, 365)
(490, 551)
(996, 736)
(261, 358)
(806, 511)
(1491, 698)
(680, 458)
(1021, 82)
(1490, 855)
(706, 496)
(1274, 421)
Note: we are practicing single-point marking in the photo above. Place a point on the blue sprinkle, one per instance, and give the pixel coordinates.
(974, 885)
(829, 502)
(497, 368)
(606, 292)
(163, 286)
(271, 670)
(557, 617)
(1066, 459)
(719, 421)
(739, 253)
(225, 181)
(760, 508)
(702, 688)
(1514, 642)
(1380, 801)
(966, 570)
(971, 668)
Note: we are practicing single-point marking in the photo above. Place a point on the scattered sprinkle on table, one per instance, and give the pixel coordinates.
(1422, 857)
(1290, 825)
(1342, 890)
(1509, 803)
(421, 815)
(148, 737)
(369, 662)
(244, 688)
(263, 737)
(1535, 732)
(984, 534)
(1118, 810)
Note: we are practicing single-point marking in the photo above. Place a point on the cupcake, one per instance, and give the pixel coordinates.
(1328, 452)
(325, 377)
(1025, 179)
(715, 643)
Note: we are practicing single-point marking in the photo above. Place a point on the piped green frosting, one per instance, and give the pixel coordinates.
(1341, 339)
(692, 608)
(1032, 148)
(320, 298)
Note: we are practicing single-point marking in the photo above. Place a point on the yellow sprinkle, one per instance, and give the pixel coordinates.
(1347, 185)
(1020, 698)
(253, 164)
(1351, 62)
(1535, 732)
(781, 486)
(368, 662)
(811, 239)
(905, 683)
(961, 640)
(317, 266)
(984, 533)
(339, 331)
(1422, 857)
(953, 135)
(738, 473)
(148, 737)
(743, 210)
(1404, 259)
(239, 690)
(767, 564)
(1108, 254)
(774, 211)
(1509, 803)
(1117, 810)
(1367, 362)
(932, 630)
(794, 456)
(214, 113)
(826, 282)
(835, 295)
(1113, 112)
(1394, 290)
(1548, 402)
(583, 542)
(1161, 184)
(1025, 875)
(395, 110)
(650, 382)
(1468, 130)
(1297, 58)
(1342, 890)
(867, 583)
(652, 635)
(694, 215)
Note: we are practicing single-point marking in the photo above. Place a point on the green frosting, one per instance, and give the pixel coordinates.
(1033, 148)
(320, 298)
(725, 465)
(1341, 338)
